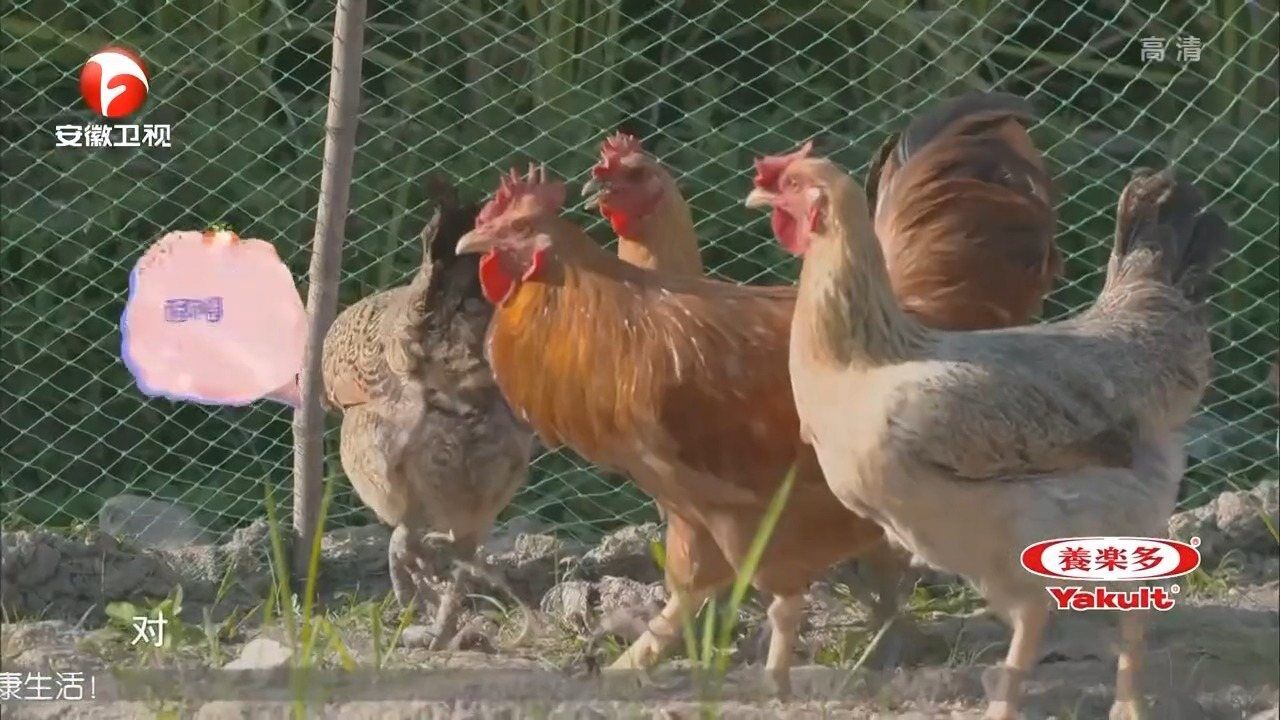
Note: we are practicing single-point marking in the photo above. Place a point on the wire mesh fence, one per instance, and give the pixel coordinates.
(467, 87)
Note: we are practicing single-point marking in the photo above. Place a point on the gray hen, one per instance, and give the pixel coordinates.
(969, 446)
(427, 439)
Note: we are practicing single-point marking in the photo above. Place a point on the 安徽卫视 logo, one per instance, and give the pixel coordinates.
(114, 82)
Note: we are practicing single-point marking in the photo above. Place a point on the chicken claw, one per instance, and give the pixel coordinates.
(662, 632)
(1000, 710)
(414, 576)
(785, 614)
(405, 561)
(1126, 710)
(447, 611)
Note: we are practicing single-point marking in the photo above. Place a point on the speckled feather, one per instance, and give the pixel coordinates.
(427, 439)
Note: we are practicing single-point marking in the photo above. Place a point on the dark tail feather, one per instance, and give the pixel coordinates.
(878, 168)
(1167, 218)
(978, 110)
(451, 220)
(972, 125)
(453, 278)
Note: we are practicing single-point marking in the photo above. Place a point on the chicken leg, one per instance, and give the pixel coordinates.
(884, 579)
(403, 556)
(695, 570)
(1128, 704)
(413, 570)
(464, 550)
(1029, 619)
(663, 631)
(785, 614)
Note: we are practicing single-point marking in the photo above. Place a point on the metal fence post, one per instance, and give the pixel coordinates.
(326, 260)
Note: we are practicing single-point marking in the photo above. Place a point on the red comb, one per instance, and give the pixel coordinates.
(770, 167)
(613, 149)
(546, 195)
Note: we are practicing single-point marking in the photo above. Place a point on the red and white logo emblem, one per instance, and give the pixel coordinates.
(1111, 559)
(114, 82)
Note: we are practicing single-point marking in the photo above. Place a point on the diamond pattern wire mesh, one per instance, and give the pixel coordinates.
(470, 86)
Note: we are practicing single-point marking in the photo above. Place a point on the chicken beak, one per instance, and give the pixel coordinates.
(474, 242)
(592, 189)
(760, 198)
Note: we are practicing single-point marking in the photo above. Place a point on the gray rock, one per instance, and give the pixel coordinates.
(625, 606)
(625, 553)
(46, 644)
(416, 636)
(152, 522)
(261, 654)
(570, 602)
(1200, 523)
(1234, 520)
(1241, 517)
(534, 564)
(356, 556)
(624, 592)
(504, 539)
(63, 577)
(626, 623)
(615, 605)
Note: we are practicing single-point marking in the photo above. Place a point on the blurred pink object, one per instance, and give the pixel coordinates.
(213, 319)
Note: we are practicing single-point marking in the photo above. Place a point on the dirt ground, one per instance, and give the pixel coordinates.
(536, 636)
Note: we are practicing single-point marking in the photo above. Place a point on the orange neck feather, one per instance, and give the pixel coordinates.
(559, 345)
(664, 240)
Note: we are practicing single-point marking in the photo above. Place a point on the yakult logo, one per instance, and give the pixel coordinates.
(1111, 559)
(114, 82)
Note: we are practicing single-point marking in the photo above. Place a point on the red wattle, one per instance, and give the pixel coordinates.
(495, 282)
(536, 263)
(787, 230)
(619, 221)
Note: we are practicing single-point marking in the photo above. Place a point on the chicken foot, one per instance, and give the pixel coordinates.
(663, 631)
(413, 568)
(447, 610)
(1128, 703)
(695, 570)
(1029, 620)
(406, 561)
(785, 613)
(883, 579)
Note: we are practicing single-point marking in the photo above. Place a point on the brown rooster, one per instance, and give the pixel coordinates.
(680, 383)
(427, 440)
(964, 208)
(1060, 430)
(661, 236)
(643, 205)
